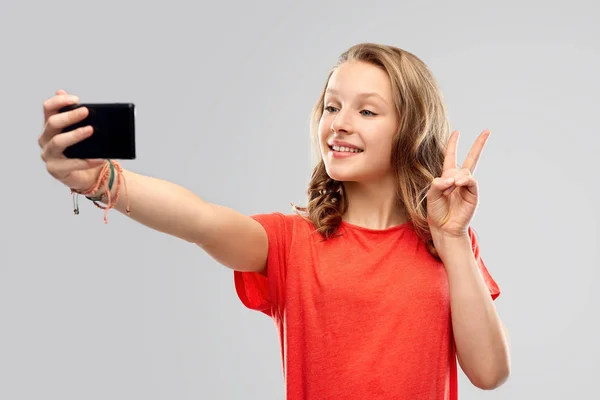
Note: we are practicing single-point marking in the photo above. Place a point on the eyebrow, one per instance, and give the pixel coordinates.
(363, 95)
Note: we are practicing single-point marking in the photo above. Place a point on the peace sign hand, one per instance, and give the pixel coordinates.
(453, 198)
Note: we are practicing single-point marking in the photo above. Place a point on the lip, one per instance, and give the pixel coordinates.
(339, 154)
(342, 143)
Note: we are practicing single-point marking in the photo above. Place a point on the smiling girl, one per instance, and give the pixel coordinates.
(377, 286)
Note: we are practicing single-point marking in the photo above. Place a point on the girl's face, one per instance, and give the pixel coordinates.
(358, 124)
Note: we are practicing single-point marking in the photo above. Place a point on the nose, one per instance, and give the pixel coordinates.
(341, 123)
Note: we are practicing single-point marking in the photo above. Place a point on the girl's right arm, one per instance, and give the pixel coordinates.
(235, 240)
(231, 238)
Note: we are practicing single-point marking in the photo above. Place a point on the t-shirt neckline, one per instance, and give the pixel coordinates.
(394, 228)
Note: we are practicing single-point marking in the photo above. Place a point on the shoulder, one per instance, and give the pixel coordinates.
(285, 228)
(281, 221)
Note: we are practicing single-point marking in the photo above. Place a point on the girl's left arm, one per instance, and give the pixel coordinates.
(481, 339)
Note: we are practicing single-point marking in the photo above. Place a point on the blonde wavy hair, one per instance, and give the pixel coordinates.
(418, 145)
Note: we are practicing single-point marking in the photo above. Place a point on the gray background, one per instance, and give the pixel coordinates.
(224, 90)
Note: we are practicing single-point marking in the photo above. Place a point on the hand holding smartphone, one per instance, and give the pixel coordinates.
(114, 132)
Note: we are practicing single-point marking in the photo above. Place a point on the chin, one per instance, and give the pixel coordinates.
(343, 174)
(343, 169)
(355, 173)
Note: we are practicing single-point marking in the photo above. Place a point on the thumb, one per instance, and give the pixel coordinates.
(438, 187)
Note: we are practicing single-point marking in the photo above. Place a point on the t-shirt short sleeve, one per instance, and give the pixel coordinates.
(264, 292)
(487, 277)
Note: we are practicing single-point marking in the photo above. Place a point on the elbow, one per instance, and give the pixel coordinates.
(492, 380)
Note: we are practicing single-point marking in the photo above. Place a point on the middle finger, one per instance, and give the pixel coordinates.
(473, 157)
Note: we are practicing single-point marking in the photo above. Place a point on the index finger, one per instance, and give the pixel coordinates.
(450, 158)
(473, 156)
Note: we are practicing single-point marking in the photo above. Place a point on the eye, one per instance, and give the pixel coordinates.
(330, 109)
(369, 113)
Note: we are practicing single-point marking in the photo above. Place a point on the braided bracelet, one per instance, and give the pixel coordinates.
(107, 173)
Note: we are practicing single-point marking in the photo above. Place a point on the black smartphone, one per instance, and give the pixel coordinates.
(114, 131)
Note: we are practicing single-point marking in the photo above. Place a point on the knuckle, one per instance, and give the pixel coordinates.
(53, 122)
(52, 103)
(51, 169)
(53, 144)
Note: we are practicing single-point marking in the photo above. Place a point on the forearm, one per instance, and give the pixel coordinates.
(481, 342)
(234, 240)
(160, 205)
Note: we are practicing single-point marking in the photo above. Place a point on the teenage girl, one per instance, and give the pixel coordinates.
(377, 286)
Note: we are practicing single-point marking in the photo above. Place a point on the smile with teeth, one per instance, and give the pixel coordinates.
(343, 149)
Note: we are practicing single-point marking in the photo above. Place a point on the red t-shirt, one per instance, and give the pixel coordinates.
(362, 316)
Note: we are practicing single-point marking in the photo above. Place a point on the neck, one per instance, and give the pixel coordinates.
(373, 205)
